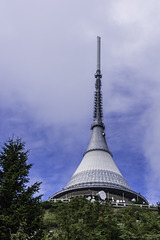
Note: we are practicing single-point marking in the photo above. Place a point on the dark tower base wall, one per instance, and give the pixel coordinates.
(112, 194)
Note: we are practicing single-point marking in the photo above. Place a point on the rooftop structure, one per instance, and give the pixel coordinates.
(97, 171)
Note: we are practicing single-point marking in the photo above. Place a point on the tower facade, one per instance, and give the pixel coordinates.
(97, 171)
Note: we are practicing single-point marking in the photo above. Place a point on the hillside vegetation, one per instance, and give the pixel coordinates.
(82, 219)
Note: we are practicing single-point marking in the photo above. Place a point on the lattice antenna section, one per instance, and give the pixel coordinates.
(98, 111)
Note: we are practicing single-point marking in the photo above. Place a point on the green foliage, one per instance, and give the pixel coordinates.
(82, 219)
(158, 206)
(137, 222)
(76, 218)
(46, 205)
(20, 234)
(107, 227)
(20, 212)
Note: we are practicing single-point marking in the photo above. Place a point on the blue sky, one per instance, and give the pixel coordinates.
(47, 66)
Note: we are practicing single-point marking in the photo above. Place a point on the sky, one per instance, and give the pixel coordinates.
(47, 67)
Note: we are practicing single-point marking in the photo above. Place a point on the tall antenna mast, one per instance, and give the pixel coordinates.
(98, 113)
(98, 53)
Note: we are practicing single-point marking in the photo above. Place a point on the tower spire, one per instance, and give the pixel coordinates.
(98, 53)
(98, 112)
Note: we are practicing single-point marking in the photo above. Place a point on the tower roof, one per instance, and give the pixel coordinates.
(97, 167)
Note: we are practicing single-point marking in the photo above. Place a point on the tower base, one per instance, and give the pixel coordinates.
(113, 194)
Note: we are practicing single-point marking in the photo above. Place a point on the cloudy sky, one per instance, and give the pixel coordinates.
(47, 66)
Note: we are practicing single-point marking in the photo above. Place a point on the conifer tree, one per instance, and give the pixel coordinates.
(19, 209)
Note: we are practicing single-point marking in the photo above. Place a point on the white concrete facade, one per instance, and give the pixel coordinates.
(97, 167)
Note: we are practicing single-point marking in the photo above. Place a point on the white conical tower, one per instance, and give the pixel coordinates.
(97, 167)
(97, 170)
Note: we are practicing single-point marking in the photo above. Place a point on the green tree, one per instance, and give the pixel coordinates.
(107, 226)
(19, 209)
(74, 219)
(137, 222)
(81, 219)
(158, 206)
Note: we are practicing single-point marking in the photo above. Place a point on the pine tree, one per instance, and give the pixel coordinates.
(18, 206)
